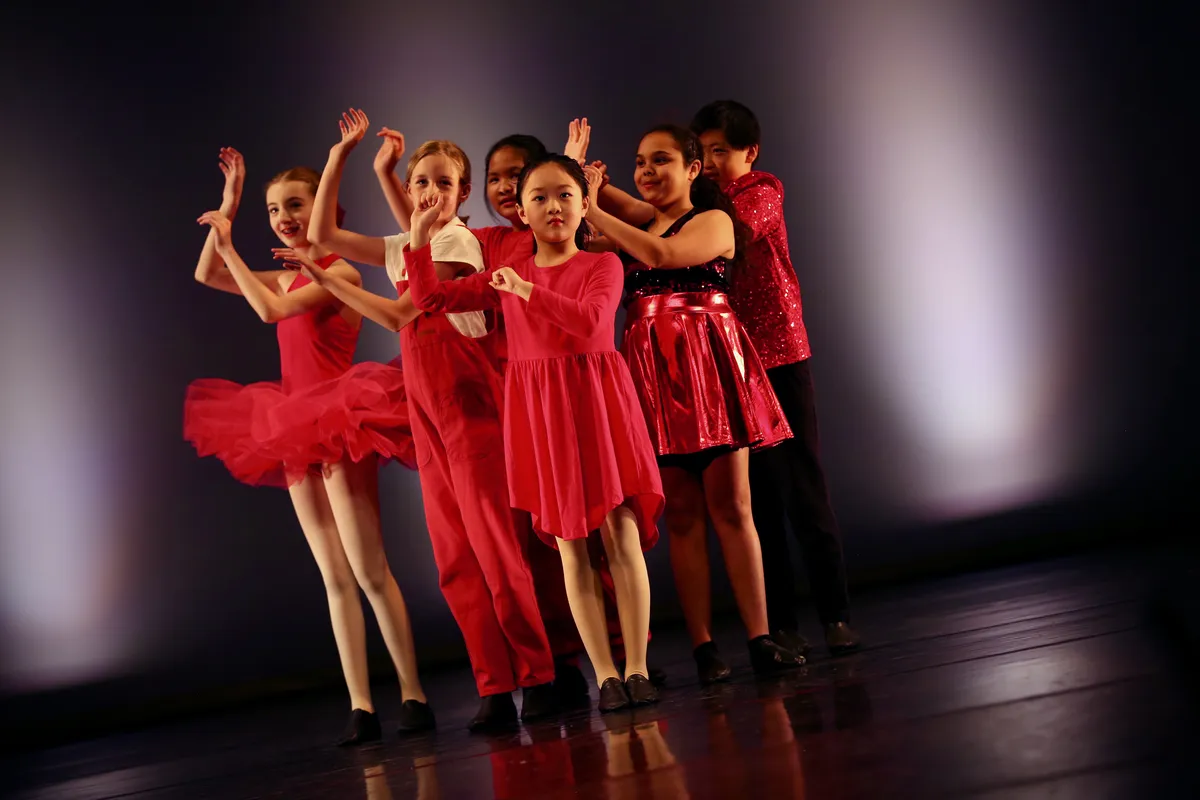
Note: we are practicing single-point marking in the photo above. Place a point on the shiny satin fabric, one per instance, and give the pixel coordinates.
(698, 377)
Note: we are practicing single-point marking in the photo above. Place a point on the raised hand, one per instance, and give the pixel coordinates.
(221, 226)
(506, 279)
(353, 126)
(233, 167)
(579, 135)
(391, 150)
(603, 172)
(425, 212)
(595, 179)
(297, 261)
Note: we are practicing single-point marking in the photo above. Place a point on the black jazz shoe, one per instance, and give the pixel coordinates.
(363, 727)
(709, 665)
(767, 657)
(415, 717)
(497, 712)
(613, 696)
(790, 640)
(640, 690)
(840, 638)
(538, 702)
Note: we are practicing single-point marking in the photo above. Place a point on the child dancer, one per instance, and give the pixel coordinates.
(454, 397)
(704, 393)
(266, 433)
(509, 244)
(579, 457)
(786, 481)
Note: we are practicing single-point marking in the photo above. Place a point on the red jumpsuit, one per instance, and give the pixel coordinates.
(504, 245)
(455, 400)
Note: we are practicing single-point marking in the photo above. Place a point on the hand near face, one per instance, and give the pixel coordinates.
(299, 262)
(506, 279)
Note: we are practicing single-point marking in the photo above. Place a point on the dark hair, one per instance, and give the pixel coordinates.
(706, 195)
(572, 168)
(731, 118)
(531, 146)
(308, 176)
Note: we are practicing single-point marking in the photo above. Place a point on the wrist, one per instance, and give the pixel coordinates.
(384, 170)
(525, 291)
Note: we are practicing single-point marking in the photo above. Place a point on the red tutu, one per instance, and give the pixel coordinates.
(698, 377)
(268, 438)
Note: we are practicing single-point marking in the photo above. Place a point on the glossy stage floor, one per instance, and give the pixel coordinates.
(1046, 680)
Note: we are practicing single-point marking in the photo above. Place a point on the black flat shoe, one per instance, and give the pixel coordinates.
(790, 640)
(709, 665)
(415, 717)
(840, 638)
(362, 727)
(640, 690)
(538, 702)
(497, 712)
(657, 675)
(767, 657)
(613, 696)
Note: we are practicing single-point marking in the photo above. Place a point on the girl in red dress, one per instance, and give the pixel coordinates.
(319, 432)
(578, 453)
(706, 397)
(454, 394)
(511, 243)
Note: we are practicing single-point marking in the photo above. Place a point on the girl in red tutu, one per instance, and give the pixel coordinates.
(705, 396)
(511, 243)
(455, 394)
(319, 432)
(579, 457)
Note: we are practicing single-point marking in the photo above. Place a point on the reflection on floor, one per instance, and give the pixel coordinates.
(1039, 681)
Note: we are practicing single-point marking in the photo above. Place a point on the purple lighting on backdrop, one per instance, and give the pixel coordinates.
(953, 261)
(62, 547)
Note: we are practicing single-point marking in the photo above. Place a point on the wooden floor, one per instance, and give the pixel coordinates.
(1046, 680)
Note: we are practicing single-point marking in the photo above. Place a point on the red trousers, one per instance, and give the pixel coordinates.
(455, 401)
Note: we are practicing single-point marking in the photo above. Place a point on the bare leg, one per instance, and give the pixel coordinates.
(727, 490)
(345, 606)
(632, 583)
(586, 598)
(354, 497)
(688, 532)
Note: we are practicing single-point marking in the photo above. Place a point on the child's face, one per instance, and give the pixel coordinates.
(289, 205)
(661, 174)
(503, 171)
(723, 163)
(552, 204)
(438, 173)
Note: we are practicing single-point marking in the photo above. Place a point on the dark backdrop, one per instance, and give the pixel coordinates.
(985, 210)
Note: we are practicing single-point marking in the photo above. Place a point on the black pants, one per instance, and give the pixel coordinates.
(786, 481)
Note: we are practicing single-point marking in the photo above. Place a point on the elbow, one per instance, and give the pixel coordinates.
(659, 259)
(319, 234)
(269, 314)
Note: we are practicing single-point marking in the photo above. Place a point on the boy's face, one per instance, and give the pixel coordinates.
(725, 164)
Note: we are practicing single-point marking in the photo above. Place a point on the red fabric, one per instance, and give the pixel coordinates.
(698, 376)
(454, 402)
(765, 292)
(323, 410)
(575, 440)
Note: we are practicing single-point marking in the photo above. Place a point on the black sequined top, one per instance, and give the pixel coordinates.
(642, 281)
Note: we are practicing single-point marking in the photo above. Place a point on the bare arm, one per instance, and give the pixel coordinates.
(323, 226)
(390, 152)
(210, 269)
(707, 236)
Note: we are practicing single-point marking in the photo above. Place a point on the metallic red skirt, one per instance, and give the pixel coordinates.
(698, 377)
